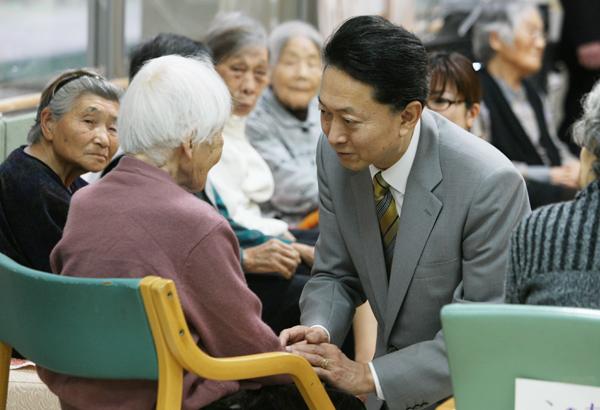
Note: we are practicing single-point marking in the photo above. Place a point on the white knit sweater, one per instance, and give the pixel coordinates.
(243, 180)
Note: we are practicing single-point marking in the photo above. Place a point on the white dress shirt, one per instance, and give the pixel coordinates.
(243, 180)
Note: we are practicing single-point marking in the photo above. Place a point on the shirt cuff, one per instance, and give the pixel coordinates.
(326, 331)
(539, 173)
(380, 395)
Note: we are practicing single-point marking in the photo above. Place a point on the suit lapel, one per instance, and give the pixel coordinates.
(419, 214)
(368, 227)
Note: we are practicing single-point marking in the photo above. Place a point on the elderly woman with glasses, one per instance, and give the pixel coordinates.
(555, 251)
(285, 126)
(75, 132)
(509, 40)
(455, 88)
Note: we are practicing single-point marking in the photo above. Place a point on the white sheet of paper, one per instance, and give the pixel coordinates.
(543, 395)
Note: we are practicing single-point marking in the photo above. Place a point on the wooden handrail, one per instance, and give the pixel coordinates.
(32, 100)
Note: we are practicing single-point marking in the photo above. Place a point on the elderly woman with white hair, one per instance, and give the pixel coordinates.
(75, 132)
(285, 126)
(509, 40)
(555, 251)
(141, 219)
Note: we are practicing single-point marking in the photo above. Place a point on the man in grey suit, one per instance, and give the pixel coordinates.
(445, 200)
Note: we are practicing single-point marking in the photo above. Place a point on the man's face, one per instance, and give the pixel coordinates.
(360, 130)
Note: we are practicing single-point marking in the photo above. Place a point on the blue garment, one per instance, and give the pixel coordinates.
(247, 238)
(34, 204)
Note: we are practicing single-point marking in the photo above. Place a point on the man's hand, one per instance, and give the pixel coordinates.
(272, 256)
(298, 334)
(307, 253)
(588, 55)
(332, 366)
(566, 175)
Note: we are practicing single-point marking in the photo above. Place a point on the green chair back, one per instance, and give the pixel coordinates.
(13, 131)
(489, 346)
(92, 328)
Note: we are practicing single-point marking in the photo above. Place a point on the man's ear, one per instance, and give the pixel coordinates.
(48, 124)
(188, 147)
(409, 117)
(472, 114)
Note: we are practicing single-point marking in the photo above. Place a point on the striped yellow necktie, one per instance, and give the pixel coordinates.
(388, 217)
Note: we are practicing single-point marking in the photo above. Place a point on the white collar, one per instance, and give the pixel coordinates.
(397, 174)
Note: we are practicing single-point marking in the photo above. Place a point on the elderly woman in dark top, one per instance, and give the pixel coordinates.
(75, 132)
(555, 252)
(509, 40)
(285, 126)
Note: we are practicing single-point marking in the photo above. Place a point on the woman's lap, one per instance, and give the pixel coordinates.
(286, 397)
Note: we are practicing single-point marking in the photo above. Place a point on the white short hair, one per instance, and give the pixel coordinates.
(285, 32)
(170, 98)
(502, 18)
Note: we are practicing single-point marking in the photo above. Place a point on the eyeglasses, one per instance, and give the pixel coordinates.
(441, 104)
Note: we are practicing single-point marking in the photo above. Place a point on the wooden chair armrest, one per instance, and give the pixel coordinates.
(447, 405)
(192, 358)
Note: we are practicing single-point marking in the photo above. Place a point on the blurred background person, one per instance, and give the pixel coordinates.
(509, 40)
(286, 125)
(455, 90)
(75, 132)
(555, 257)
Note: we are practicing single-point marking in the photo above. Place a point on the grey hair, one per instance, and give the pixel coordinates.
(502, 18)
(230, 33)
(586, 130)
(169, 99)
(288, 30)
(63, 100)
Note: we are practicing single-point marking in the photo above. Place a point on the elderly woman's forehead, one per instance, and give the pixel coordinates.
(297, 40)
(94, 104)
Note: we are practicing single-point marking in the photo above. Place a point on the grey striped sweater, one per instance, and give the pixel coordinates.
(555, 256)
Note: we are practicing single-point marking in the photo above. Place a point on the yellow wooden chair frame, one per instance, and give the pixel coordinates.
(176, 349)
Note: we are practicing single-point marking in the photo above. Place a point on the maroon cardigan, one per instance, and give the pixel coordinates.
(137, 222)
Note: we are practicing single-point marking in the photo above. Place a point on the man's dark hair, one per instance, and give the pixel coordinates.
(387, 57)
(164, 45)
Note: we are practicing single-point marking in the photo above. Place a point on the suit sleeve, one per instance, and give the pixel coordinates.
(331, 296)
(419, 373)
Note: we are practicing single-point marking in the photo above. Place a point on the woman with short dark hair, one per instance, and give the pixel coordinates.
(455, 88)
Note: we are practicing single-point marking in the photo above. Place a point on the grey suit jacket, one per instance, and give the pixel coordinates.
(463, 198)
